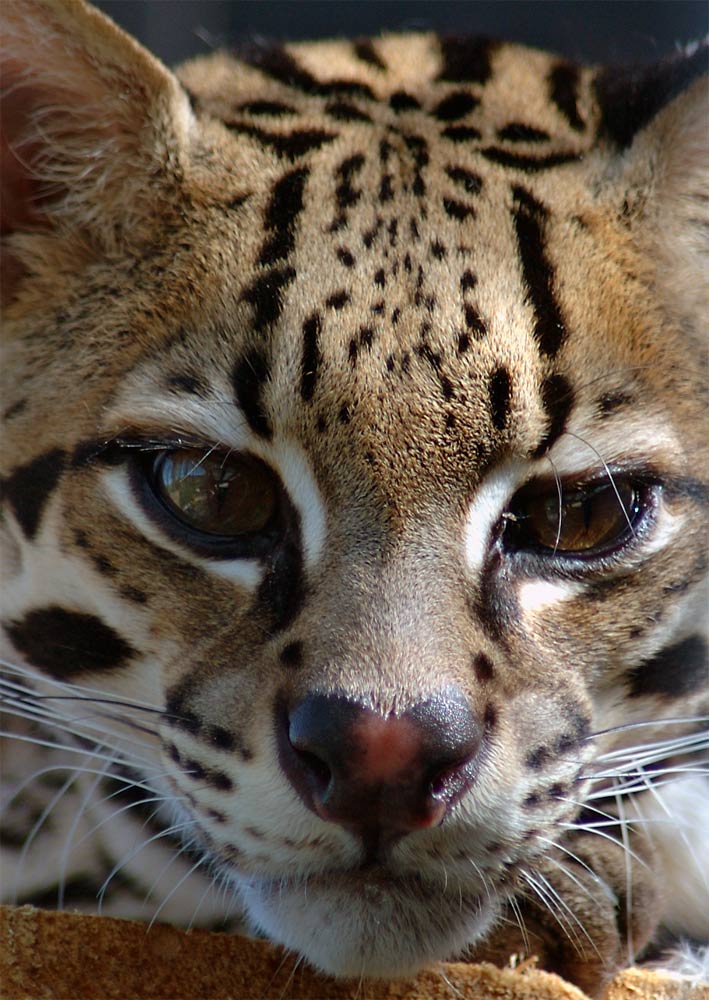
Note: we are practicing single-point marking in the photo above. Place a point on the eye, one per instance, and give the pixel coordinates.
(216, 493)
(579, 521)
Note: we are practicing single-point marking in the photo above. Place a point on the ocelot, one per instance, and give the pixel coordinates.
(355, 486)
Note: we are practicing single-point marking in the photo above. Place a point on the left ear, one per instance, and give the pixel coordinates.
(658, 121)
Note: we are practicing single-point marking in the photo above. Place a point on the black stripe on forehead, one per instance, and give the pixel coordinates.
(68, 643)
(290, 145)
(530, 218)
(281, 65)
(311, 356)
(265, 295)
(283, 209)
(557, 400)
(28, 488)
(250, 374)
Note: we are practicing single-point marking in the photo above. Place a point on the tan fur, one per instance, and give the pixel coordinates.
(136, 263)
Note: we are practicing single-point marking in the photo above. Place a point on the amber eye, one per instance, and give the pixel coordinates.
(216, 493)
(582, 520)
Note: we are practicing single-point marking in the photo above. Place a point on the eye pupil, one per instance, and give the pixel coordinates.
(226, 495)
(577, 520)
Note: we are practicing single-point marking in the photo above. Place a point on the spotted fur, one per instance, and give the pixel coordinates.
(413, 276)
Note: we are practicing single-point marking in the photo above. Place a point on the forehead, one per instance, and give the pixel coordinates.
(400, 267)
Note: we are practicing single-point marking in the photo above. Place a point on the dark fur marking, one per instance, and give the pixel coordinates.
(677, 670)
(484, 670)
(292, 654)
(345, 257)
(15, 409)
(456, 105)
(630, 97)
(248, 378)
(341, 111)
(557, 400)
(338, 300)
(563, 91)
(472, 183)
(460, 133)
(537, 758)
(612, 401)
(68, 643)
(438, 250)
(529, 219)
(104, 565)
(344, 415)
(311, 357)
(28, 488)
(463, 342)
(366, 337)
(465, 59)
(468, 281)
(370, 235)
(474, 323)
(185, 382)
(366, 53)
(134, 594)
(345, 193)
(386, 190)
(283, 209)
(265, 295)
(291, 145)
(275, 62)
(519, 132)
(457, 210)
(272, 108)
(529, 164)
(499, 390)
(401, 101)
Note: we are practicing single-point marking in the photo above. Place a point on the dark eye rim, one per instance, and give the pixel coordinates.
(509, 537)
(142, 468)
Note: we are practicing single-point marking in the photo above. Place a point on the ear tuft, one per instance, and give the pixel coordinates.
(92, 124)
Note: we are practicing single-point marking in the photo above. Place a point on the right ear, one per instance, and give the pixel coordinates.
(92, 132)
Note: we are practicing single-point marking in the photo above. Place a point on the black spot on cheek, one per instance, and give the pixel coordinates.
(68, 643)
(29, 487)
(490, 717)
(537, 758)
(292, 654)
(678, 670)
(482, 665)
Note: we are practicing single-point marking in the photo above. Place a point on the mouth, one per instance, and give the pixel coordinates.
(368, 921)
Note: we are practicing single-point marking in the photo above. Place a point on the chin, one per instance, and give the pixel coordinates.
(352, 927)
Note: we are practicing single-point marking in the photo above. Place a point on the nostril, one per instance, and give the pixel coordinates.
(318, 771)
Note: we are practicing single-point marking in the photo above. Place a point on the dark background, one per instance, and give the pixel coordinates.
(584, 30)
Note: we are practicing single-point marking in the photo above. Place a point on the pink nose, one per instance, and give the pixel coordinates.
(379, 776)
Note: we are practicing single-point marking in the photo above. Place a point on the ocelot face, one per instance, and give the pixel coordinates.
(356, 474)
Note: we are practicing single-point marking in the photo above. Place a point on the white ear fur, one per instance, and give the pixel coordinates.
(93, 125)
